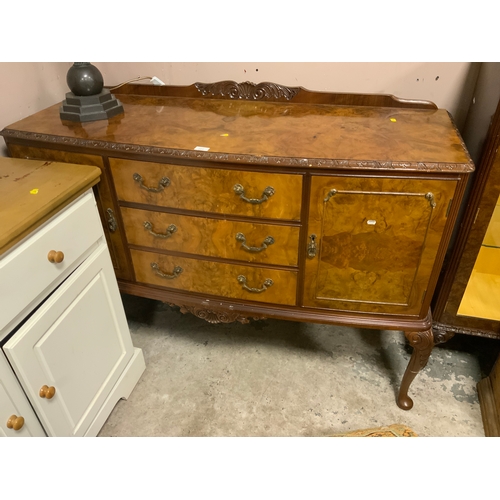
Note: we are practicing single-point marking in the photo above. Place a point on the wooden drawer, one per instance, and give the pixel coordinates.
(208, 189)
(27, 268)
(268, 243)
(215, 278)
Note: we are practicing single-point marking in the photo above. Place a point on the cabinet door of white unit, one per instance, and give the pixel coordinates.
(17, 418)
(71, 352)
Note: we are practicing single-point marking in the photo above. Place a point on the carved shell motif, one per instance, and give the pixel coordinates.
(247, 90)
(214, 316)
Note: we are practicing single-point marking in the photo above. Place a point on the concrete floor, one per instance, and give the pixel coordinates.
(278, 378)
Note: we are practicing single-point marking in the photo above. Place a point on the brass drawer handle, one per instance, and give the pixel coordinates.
(241, 237)
(15, 422)
(168, 232)
(161, 274)
(47, 392)
(243, 281)
(162, 184)
(311, 247)
(55, 257)
(239, 190)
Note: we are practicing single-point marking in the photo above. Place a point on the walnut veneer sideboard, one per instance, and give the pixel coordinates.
(238, 201)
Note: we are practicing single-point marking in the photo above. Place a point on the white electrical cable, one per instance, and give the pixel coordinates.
(133, 80)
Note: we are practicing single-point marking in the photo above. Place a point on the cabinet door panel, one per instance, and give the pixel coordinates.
(376, 239)
(79, 343)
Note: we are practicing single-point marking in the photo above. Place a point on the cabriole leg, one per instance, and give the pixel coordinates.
(422, 343)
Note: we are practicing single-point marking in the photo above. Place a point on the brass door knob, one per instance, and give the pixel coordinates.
(55, 257)
(47, 392)
(15, 422)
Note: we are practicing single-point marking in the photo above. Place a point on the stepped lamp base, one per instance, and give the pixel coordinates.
(101, 106)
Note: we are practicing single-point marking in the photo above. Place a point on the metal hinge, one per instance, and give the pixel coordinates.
(112, 225)
(475, 218)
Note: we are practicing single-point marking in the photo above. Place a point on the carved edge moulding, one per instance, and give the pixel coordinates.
(215, 316)
(234, 158)
(244, 312)
(450, 331)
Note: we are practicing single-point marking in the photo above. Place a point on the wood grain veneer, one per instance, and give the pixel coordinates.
(209, 189)
(216, 278)
(260, 133)
(212, 237)
(377, 239)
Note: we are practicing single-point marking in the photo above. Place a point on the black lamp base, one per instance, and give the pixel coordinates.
(90, 108)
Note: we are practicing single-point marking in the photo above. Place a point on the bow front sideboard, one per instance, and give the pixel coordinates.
(239, 201)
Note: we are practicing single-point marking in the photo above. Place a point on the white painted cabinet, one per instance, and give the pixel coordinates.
(15, 406)
(71, 355)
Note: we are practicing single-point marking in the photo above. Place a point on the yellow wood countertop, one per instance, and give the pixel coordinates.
(32, 191)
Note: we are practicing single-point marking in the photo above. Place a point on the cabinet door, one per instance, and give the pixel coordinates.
(14, 402)
(77, 342)
(375, 242)
(468, 296)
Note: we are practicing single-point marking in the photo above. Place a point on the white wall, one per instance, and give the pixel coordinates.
(442, 83)
(30, 87)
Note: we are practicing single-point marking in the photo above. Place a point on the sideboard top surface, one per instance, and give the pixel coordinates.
(293, 134)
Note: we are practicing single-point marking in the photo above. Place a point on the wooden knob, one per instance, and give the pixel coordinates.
(55, 257)
(47, 392)
(15, 422)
